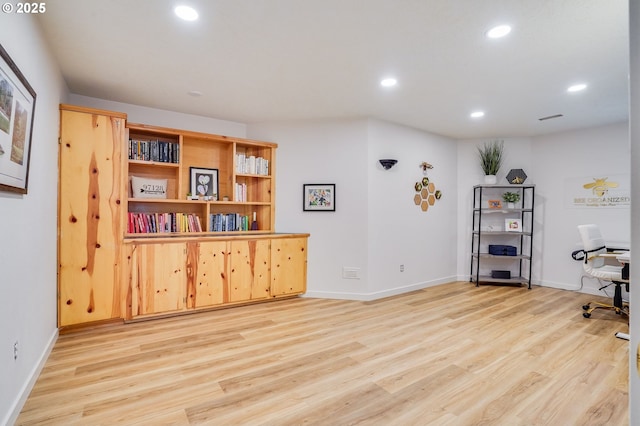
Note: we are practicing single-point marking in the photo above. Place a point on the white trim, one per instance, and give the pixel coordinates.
(365, 297)
(23, 395)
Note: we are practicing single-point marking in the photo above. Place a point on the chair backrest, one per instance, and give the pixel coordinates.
(593, 243)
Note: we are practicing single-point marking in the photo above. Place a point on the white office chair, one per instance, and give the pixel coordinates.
(595, 256)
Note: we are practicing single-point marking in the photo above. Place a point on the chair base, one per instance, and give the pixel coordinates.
(624, 309)
(618, 306)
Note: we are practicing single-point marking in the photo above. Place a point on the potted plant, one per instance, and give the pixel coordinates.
(511, 198)
(491, 160)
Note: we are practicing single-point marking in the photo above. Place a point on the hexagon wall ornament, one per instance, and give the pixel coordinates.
(426, 193)
(516, 176)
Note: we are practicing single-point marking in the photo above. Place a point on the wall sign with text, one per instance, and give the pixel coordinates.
(602, 191)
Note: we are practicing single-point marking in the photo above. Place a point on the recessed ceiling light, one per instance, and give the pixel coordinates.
(477, 114)
(186, 12)
(389, 82)
(499, 31)
(577, 87)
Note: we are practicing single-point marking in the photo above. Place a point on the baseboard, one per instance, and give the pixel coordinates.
(365, 297)
(12, 417)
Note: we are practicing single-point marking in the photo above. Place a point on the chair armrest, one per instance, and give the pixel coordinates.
(610, 255)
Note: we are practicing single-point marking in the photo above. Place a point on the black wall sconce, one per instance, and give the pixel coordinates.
(388, 163)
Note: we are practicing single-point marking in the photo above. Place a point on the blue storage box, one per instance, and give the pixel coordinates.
(502, 250)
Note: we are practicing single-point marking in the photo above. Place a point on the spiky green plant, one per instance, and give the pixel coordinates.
(491, 157)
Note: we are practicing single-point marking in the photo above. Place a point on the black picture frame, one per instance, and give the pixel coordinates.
(203, 182)
(319, 197)
(17, 109)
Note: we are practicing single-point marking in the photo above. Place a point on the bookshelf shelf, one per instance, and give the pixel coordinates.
(244, 175)
(489, 227)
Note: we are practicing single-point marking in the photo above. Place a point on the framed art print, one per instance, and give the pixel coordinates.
(319, 197)
(494, 204)
(17, 106)
(203, 182)
(513, 225)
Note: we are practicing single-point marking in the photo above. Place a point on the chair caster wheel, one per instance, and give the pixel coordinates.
(585, 307)
(586, 315)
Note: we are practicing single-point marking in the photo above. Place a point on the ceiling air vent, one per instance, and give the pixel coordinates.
(549, 117)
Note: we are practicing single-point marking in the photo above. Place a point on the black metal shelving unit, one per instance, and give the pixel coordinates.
(495, 233)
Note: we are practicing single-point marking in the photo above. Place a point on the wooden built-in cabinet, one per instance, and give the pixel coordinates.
(156, 278)
(110, 270)
(90, 215)
(288, 266)
(164, 277)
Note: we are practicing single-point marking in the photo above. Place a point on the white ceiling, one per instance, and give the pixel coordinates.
(275, 60)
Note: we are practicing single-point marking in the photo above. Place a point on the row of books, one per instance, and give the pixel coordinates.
(241, 192)
(160, 151)
(220, 222)
(146, 223)
(251, 165)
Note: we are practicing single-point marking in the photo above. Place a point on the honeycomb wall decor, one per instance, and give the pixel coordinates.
(426, 193)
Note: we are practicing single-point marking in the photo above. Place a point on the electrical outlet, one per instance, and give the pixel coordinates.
(401, 268)
(15, 350)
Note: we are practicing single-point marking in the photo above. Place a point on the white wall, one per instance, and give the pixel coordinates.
(162, 118)
(400, 233)
(596, 152)
(324, 152)
(28, 225)
(376, 226)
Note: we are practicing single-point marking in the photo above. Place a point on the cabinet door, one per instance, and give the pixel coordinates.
(157, 278)
(288, 266)
(249, 270)
(89, 219)
(207, 273)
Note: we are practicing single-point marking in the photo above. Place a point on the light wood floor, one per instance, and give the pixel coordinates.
(448, 355)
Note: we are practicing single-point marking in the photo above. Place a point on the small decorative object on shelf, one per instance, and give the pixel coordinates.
(513, 225)
(203, 182)
(516, 176)
(511, 198)
(494, 204)
(254, 223)
(491, 159)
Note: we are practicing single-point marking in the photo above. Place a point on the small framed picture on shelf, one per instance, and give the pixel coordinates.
(494, 204)
(513, 225)
(203, 183)
(319, 197)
